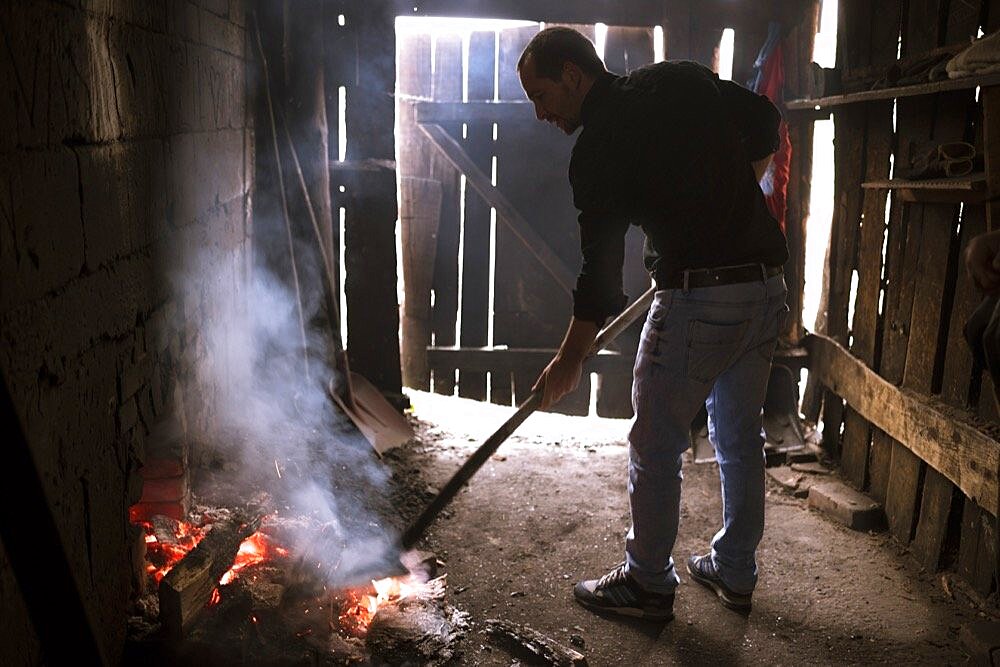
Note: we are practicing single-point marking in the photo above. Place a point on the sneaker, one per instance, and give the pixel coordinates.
(618, 593)
(703, 571)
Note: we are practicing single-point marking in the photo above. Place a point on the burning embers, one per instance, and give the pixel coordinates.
(227, 586)
(361, 606)
(169, 541)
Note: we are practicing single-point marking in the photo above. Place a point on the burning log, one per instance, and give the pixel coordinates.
(189, 585)
(532, 646)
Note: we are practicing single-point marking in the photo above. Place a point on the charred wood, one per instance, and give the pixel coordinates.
(532, 646)
(187, 588)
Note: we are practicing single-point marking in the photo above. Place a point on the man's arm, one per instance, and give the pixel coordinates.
(562, 375)
(756, 118)
(760, 166)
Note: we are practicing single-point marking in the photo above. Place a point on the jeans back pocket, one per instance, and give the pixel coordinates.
(711, 347)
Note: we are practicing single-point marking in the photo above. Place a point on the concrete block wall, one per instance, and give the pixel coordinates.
(125, 173)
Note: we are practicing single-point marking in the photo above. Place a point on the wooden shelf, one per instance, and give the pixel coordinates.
(897, 91)
(971, 188)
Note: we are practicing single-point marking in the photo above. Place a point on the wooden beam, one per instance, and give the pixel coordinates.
(464, 112)
(517, 359)
(636, 12)
(966, 83)
(952, 441)
(455, 154)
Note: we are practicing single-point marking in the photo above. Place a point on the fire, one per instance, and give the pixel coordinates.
(361, 606)
(254, 549)
(162, 556)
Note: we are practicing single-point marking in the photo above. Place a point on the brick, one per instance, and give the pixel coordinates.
(167, 441)
(787, 478)
(842, 503)
(146, 511)
(41, 235)
(164, 489)
(159, 468)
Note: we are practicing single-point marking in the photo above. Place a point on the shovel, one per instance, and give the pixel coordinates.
(387, 566)
(381, 424)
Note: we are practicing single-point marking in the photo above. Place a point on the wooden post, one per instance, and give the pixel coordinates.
(370, 226)
(420, 209)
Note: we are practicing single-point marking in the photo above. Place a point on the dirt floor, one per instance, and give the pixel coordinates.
(550, 508)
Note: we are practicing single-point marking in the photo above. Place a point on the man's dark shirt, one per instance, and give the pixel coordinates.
(669, 148)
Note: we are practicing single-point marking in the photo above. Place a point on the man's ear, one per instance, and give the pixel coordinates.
(572, 74)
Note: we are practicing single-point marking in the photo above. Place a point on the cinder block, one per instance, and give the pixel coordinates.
(41, 249)
(220, 33)
(123, 195)
(842, 503)
(128, 416)
(217, 7)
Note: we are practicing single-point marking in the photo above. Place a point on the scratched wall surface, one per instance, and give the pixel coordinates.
(123, 164)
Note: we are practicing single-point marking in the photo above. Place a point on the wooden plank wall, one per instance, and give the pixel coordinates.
(360, 56)
(529, 309)
(909, 302)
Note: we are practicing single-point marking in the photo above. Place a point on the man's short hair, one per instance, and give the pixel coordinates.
(551, 48)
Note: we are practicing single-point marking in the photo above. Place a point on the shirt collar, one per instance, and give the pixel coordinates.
(595, 97)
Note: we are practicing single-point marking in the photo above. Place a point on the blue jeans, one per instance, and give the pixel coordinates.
(707, 345)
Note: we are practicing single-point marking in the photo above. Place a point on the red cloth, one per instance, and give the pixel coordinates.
(775, 181)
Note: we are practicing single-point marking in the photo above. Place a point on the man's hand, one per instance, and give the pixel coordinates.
(560, 377)
(563, 373)
(982, 261)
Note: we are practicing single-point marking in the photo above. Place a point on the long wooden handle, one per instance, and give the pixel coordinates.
(480, 456)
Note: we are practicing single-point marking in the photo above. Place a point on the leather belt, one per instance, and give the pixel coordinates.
(728, 275)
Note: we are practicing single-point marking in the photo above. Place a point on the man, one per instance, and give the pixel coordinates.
(673, 149)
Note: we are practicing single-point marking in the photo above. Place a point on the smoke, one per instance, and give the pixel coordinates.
(275, 426)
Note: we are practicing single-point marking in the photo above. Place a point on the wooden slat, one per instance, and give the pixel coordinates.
(849, 155)
(915, 123)
(866, 324)
(513, 268)
(478, 144)
(505, 210)
(928, 333)
(447, 86)
(419, 210)
(954, 442)
(420, 204)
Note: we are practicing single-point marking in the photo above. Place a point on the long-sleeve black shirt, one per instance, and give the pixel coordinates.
(669, 148)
